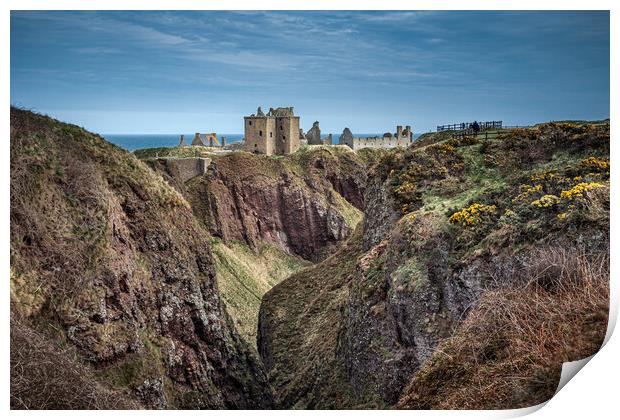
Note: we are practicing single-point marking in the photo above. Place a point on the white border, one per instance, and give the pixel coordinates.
(592, 394)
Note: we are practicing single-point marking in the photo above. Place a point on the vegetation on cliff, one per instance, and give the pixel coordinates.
(446, 222)
(245, 275)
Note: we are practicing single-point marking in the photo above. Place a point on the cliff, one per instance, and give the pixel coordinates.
(269, 216)
(476, 268)
(304, 204)
(109, 262)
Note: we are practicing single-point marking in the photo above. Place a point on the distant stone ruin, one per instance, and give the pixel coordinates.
(313, 136)
(402, 138)
(198, 140)
(182, 141)
(209, 138)
(302, 137)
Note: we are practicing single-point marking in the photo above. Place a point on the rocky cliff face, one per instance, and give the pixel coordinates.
(108, 258)
(444, 222)
(304, 204)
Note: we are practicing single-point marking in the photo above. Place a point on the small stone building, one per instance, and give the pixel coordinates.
(402, 138)
(276, 132)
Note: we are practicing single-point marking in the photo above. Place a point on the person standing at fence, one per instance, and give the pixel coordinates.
(476, 127)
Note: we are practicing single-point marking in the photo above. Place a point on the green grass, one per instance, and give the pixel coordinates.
(181, 152)
(244, 276)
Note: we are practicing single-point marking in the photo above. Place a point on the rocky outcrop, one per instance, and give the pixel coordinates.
(108, 254)
(184, 169)
(404, 300)
(305, 208)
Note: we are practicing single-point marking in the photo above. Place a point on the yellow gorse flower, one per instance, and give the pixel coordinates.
(472, 215)
(596, 164)
(547, 200)
(545, 176)
(446, 148)
(526, 191)
(579, 190)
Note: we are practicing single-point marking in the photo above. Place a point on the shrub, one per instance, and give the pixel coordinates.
(579, 190)
(547, 200)
(473, 215)
(45, 376)
(594, 164)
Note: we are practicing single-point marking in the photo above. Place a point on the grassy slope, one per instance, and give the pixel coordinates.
(189, 151)
(244, 276)
(509, 351)
(303, 367)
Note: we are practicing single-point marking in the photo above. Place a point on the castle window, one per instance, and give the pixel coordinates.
(281, 128)
(260, 133)
(255, 145)
(250, 122)
(283, 137)
(270, 134)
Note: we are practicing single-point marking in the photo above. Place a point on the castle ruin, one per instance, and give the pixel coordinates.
(276, 132)
(402, 138)
(210, 138)
(313, 136)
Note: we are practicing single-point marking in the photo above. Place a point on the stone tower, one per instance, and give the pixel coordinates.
(276, 132)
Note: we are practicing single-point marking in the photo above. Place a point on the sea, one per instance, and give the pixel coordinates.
(133, 142)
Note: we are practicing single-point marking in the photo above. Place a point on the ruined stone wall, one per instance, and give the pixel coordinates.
(379, 142)
(184, 169)
(314, 134)
(346, 138)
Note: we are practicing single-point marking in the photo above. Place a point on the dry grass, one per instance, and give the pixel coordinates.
(550, 309)
(45, 376)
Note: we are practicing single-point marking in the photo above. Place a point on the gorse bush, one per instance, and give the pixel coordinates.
(473, 215)
(414, 170)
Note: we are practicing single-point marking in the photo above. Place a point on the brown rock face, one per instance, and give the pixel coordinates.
(298, 207)
(108, 254)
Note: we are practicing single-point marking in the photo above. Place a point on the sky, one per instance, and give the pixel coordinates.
(148, 72)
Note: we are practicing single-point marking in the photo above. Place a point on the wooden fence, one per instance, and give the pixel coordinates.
(484, 125)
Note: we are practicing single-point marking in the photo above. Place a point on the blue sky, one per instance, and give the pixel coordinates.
(182, 72)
